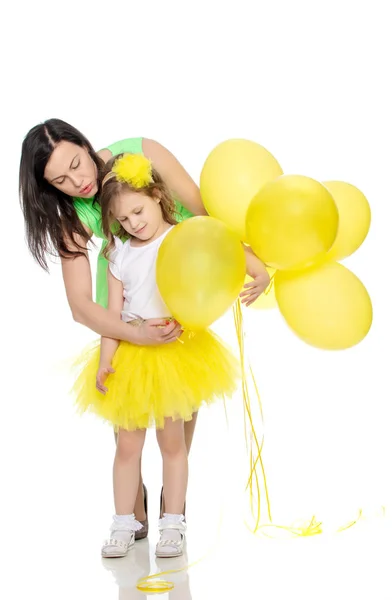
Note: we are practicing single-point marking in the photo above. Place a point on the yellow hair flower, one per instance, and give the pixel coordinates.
(134, 169)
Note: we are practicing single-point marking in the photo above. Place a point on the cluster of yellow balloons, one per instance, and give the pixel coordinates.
(299, 228)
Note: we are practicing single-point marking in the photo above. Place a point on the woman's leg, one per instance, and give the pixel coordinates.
(171, 440)
(189, 430)
(139, 504)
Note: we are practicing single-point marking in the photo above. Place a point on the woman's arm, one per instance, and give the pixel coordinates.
(175, 176)
(109, 345)
(78, 286)
(254, 266)
(115, 306)
(261, 279)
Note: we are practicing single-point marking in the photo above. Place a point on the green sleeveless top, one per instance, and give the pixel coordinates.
(89, 212)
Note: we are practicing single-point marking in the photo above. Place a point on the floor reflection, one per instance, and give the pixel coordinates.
(140, 562)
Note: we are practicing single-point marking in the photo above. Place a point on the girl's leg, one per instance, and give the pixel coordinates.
(125, 482)
(126, 470)
(189, 430)
(139, 504)
(175, 478)
(171, 440)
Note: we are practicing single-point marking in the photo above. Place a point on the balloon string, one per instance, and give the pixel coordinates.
(270, 285)
(314, 527)
(255, 448)
(186, 332)
(256, 462)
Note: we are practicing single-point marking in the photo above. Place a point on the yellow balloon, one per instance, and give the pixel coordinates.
(327, 306)
(354, 218)
(233, 173)
(267, 300)
(292, 222)
(200, 271)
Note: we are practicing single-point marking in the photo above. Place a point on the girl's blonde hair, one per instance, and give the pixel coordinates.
(113, 185)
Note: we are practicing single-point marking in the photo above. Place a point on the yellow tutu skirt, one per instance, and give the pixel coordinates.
(152, 383)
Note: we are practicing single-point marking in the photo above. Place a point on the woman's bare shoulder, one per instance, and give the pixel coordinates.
(105, 154)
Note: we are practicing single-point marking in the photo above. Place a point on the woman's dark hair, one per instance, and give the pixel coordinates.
(113, 188)
(50, 216)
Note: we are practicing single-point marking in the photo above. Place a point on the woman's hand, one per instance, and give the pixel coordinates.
(102, 374)
(255, 288)
(154, 332)
(261, 279)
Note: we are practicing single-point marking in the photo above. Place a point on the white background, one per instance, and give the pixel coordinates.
(308, 80)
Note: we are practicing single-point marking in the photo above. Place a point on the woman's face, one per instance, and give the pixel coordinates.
(72, 170)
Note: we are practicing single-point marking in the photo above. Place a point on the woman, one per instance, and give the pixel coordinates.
(60, 175)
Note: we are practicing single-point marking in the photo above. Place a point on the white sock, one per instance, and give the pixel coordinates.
(123, 525)
(171, 534)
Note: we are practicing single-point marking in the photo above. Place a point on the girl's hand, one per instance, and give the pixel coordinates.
(158, 331)
(101, 377)
(255, 288)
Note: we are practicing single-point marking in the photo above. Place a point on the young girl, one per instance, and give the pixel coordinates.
(60, 180)
(135, 387)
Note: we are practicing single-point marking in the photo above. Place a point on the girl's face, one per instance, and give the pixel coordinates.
(140, 215)
(71, 170)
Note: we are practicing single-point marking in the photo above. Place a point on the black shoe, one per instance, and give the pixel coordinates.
(161, 507)
(143, 533)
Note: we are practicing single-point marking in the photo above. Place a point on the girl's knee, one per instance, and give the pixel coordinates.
(130, 444)
(171, 439)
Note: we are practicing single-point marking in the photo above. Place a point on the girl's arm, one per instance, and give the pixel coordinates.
(78, 286)
(175, 176)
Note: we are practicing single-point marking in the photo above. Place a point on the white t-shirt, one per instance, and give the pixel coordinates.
(135, 267)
